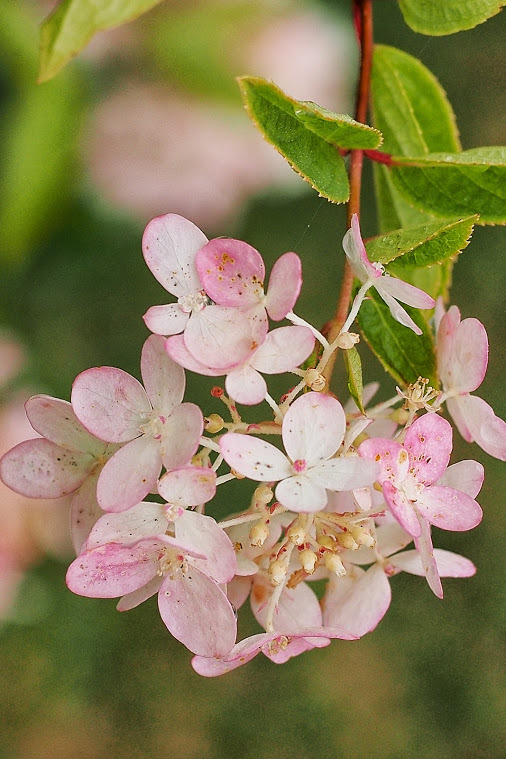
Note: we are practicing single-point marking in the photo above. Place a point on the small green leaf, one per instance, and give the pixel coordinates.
(355, 382)
(403, 354)
(74, 22)
(456, 184)
(306, 135)
(438, 17)
(424, 245)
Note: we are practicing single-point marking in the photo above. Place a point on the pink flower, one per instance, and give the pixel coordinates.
(462, 351)
(214, 334)
(282, 350)
(312, 431)
(153, 422)
(408, 473)
(185, 569)
(389, 288)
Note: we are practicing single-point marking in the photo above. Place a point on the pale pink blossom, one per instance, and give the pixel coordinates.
(282, 350)
(409, 474)
(153, 424)
(390, 289)
(312, 431)
(462, 352)
(214, 334)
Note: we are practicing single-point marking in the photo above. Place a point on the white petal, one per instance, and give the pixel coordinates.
(313, 428)
(254, 458)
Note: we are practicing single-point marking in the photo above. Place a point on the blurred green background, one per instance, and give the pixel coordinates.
(80, 680)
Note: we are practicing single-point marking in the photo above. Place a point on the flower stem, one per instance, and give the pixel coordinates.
(363, 16)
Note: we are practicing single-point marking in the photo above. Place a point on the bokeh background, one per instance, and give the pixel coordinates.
(148, 120)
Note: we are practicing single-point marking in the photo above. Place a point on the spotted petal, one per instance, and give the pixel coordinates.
(429, 444)
(56, 421)
(449, 509)
(232, 272)
(166, 320)
(254, 458)
(313, 428)
(130, 474)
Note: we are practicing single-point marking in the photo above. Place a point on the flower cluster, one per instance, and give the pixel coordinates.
(337, 499)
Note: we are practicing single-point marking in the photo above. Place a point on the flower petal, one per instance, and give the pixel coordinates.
(56, 421)
(254, 458)
(177, 350)
(41, 469)
(136, 597)
(140, 521)
(130, 474)
(449, 509)
(284, 286)
(449, 564)
(181, 435)
(297, 607)
(398, 312)
(283, 349)
(188, 487)
(344, 473)
(390, 456)
(356, 253)
(202, 533)
(219, 337)
(464, 368)
(84, 511)
(245, 385)
(358, 601)
(169, 245)
(405, 292)
(402, 509)
(301, 493)
(166, 320)
(466, 476)
(163, 379)
(198, 613)
(429, 444)
(110, 403)
(476, 421)
(313, 428)
(232, 272)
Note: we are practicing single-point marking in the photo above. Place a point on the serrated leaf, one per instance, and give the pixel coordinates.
(74, 22)
(423, 245)
(306, 135)
(404, 355)
(456, 184)
(355, 382)
(439, 17)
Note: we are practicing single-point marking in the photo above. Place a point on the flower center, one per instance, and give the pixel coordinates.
(193, 302)
(172, 563)
(299, 466)
(153, 426)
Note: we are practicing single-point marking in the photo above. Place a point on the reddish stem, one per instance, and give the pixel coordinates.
(362, 14)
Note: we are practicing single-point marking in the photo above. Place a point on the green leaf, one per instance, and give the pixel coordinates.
(306, 135)
(424, 245)
(438, 17)
(354, 369)
(403, 354)
(456, 184)
(74, 22)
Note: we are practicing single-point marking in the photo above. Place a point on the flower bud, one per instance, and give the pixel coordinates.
(263, 494)
(314, 380)
(259, 534)
(213, 423)
(347, 340)
(334, 564)
(277, 571)
(308, 560)
(296, 534)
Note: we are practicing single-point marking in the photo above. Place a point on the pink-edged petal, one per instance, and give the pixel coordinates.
(254, 458)
(301, 493)
(448, 564)
(197, 613)
(232, 272)
(238, 590)
(136, 597)
(466, 476)
(188, 487)
(280, 654)
(219, 337)
(390, 456)
(177, 350)
(55, 420)
(398, 312)
(84, 511)
(169, 245)
(130, 474)
(166, 320)
(358, 601)
(140, 521)
(284, 286)
(466, 366)
(202, 533)
(313, 428)
(110, 403)
(356, 253)
(344, 473)
(402, 509)
(446, 330)
(429, 444)
(258, 322)
(283, 349)
(245, 385)
(181, 435)
(405, 292)
(112, 570)
(163, 379)
(240, 654)
(41, 469)
(425, 549)
(449, 509)
(476, 421)
(297, 607)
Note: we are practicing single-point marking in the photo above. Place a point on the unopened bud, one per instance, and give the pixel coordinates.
(362, 536)
(214, 423)
(237, 474)
(259, 534)
(314, 380)
(347, 340)
(296, 534)
(334, 564)
(308, 560)
(346, 541)
(277, 571)
(326, 541)
(263, 494)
